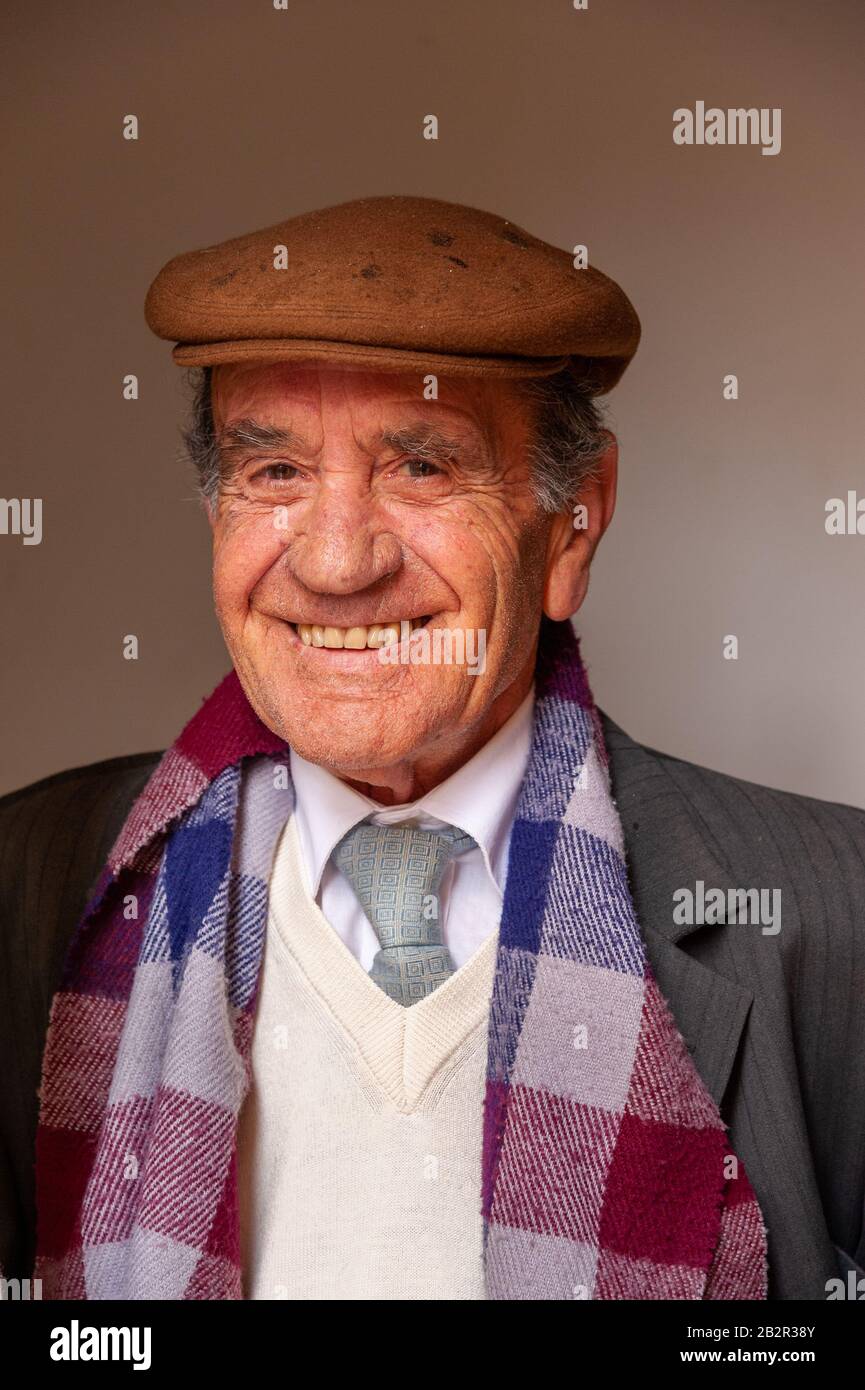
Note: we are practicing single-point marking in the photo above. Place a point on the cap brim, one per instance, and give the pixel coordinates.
(604, 372)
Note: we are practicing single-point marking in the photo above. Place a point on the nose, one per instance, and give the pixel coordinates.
(344, 546)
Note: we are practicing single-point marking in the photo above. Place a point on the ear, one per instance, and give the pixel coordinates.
(574, 537)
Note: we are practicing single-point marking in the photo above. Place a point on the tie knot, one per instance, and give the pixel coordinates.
(396, 870)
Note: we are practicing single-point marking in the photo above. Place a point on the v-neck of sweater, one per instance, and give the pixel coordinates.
(404, 1048)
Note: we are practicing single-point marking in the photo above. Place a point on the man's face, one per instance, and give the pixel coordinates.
(349, 502)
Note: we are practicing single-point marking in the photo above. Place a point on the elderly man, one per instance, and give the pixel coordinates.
(408, 974)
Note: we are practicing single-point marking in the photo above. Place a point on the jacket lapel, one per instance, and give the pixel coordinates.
(667, 849)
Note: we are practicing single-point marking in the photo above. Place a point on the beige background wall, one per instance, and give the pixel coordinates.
(560, 120)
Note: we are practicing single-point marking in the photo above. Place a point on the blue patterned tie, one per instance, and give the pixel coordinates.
(395, 870)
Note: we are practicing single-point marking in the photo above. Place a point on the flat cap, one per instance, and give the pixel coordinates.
(396, 283)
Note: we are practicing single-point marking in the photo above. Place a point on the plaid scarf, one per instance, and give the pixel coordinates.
(606, 1170)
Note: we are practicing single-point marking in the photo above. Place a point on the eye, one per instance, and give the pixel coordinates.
(277, 472)
(421, 468)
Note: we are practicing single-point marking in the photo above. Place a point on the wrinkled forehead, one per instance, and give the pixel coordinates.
(274, 392)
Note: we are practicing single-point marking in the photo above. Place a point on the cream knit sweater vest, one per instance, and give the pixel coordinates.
(360, 1140)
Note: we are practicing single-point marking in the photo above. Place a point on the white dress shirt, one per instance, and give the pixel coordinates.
(480, 798)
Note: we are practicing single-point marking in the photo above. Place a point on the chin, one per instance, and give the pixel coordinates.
(363, 732)
(345, 744)
(346, 757)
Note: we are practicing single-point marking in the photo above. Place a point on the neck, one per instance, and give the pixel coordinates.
(406, 782)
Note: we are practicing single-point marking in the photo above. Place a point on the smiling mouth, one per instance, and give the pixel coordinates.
(354, 638)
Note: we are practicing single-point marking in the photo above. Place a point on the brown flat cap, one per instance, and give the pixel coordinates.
(396, 283)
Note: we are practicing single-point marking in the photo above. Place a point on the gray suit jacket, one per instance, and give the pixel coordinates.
(775, 1023)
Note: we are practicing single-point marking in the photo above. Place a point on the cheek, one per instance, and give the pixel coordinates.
(475, 553)
(244, 549)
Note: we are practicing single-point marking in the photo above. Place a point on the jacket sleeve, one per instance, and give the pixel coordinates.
(54, 839)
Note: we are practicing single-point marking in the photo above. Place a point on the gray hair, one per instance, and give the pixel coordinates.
(199, 437)
(569, 437)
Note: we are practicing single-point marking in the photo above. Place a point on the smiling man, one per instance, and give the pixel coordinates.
(385, 990)
(346, 505)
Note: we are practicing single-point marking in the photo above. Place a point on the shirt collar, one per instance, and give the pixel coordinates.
(480, 798)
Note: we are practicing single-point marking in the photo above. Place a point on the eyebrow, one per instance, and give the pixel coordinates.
(420, 438)
(248, 433)
(424, 440)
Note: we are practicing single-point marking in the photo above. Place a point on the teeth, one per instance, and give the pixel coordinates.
(354, 638)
